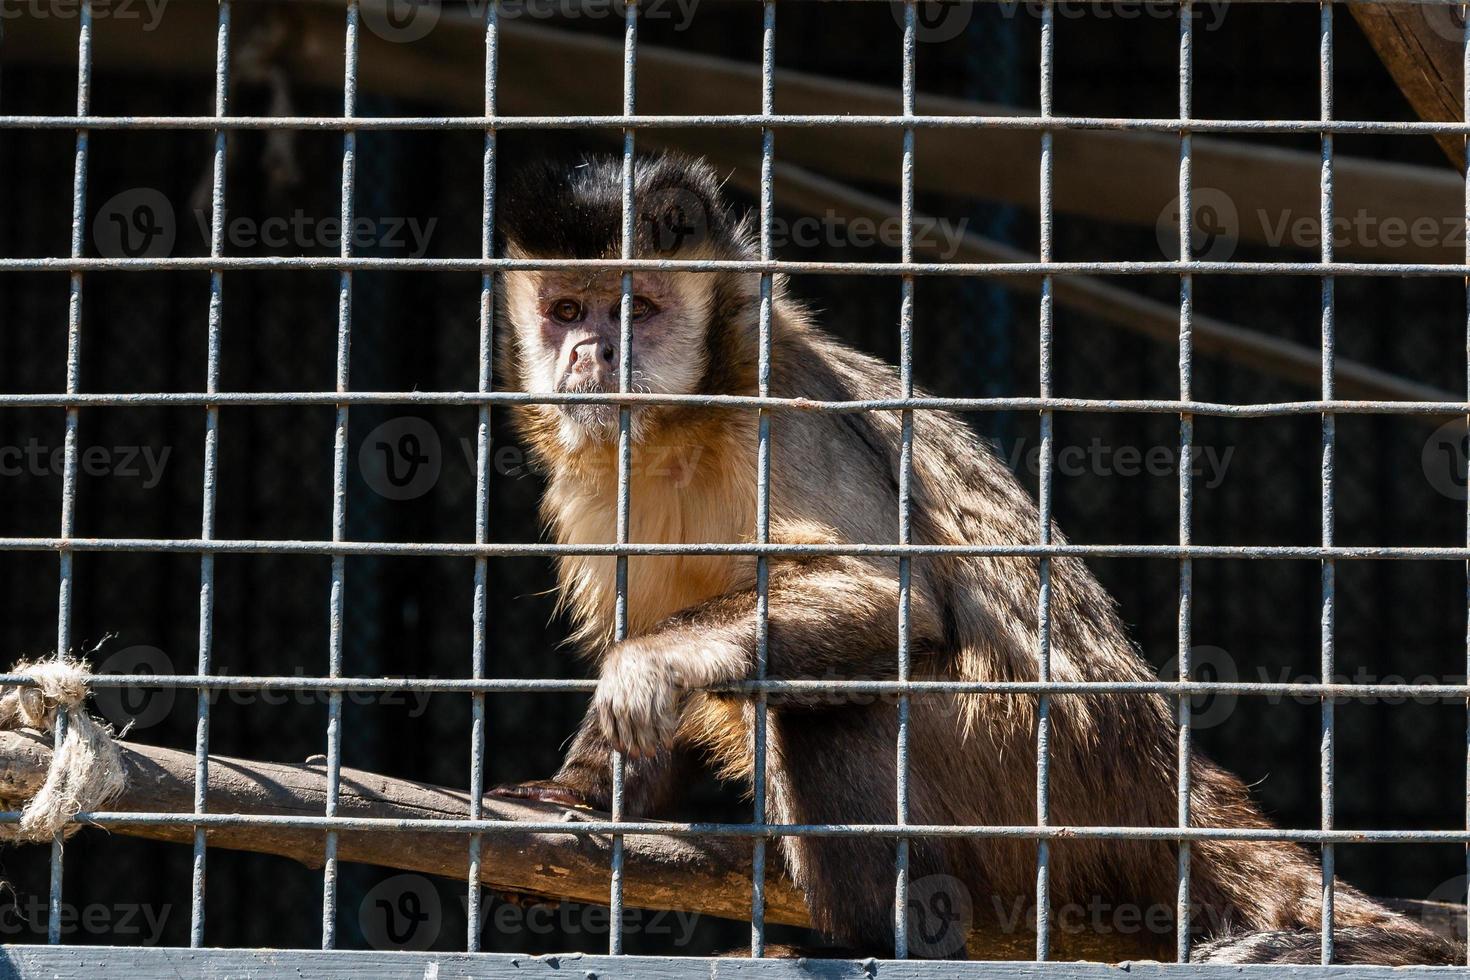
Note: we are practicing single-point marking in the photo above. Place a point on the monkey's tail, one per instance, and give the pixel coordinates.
(1399, 944)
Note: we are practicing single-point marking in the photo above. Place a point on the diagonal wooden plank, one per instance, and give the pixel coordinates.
(1126, 177)
(1422, 46)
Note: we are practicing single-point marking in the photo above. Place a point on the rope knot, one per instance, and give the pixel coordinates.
(86, 770)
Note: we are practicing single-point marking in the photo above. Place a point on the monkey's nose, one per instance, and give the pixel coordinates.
(594, 355)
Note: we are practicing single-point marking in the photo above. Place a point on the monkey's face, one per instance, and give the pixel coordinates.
(568, 331)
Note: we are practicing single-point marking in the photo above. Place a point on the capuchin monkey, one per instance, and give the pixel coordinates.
(834, 480)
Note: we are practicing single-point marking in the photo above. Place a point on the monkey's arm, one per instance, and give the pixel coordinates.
(830, 619)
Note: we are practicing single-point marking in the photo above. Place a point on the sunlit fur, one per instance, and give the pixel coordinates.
(834, 480)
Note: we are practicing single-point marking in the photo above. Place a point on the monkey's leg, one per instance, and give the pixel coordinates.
(838, 766)
(833, 757)
(585, 777)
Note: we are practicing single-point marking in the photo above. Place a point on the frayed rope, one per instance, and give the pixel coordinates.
(86, 768)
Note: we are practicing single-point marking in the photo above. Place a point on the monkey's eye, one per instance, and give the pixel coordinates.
(567, 310)
(643, 308)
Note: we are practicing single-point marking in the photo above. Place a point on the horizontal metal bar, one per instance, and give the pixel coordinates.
(453, 685)
(18, 962)
(332, 263)
(744, 121)
(656, 828)
(474, 398)
(540, 549)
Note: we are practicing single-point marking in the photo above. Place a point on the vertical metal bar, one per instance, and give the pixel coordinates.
(1329, 440)
(763, 483)
(905, 479)
(479, 611)
(1465, 105)
(73, 385)
(625, 447)
(1044, 499)
(339, 479)
(1186, 463)
(211, 469)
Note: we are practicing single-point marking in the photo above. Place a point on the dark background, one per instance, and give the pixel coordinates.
(1399, 766)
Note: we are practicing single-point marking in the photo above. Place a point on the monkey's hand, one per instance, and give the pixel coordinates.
(550, 791)
(637, 700)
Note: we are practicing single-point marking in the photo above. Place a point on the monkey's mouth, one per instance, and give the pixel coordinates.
(597, 419)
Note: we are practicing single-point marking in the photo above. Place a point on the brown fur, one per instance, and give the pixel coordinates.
(834, 478)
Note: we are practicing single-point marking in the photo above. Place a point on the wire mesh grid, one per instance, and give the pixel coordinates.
(1046, 404)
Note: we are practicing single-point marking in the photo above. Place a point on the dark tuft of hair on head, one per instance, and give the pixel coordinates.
(575, 211)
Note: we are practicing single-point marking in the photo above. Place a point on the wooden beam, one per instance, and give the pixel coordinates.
(432, 69)
(1422, 46)
(1126, 177)
(804, 191)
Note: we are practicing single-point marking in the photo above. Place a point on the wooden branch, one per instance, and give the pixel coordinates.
(710, 876)
(1127, 177)
(1422, 46)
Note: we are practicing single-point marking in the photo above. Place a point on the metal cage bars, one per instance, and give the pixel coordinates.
(1186, 485)
(1044, 492)
(625, 449)
(211, 469)
(339, 548)
(480, 609)
(73, 384)
(763, 484)
(1465, 102)
(1328, 743)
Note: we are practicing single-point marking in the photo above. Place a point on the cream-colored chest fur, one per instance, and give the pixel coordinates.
(708, 500)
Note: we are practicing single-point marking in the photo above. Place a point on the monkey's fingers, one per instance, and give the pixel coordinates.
(637, 728)
(544, 791)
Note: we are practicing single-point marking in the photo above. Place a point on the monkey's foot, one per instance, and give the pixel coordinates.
(547, 791)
